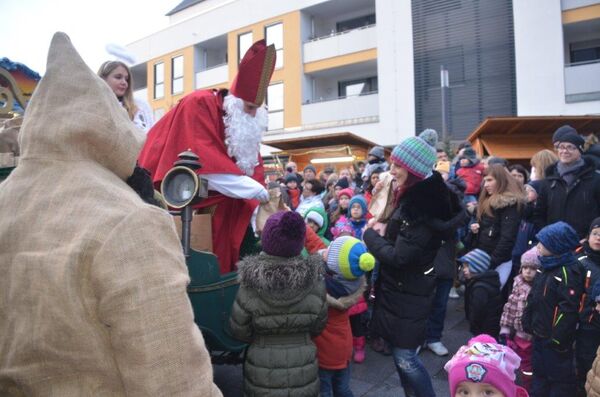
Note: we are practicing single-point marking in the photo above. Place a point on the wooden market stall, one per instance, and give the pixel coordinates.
(336, 150)
(519, 138)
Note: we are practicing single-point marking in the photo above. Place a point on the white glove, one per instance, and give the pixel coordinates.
(263, 196)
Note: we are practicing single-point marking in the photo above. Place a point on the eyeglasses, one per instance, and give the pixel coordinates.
(565, 148)
(595, 234)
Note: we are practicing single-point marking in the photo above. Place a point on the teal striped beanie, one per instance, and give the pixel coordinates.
(417, 154)
(477, 259)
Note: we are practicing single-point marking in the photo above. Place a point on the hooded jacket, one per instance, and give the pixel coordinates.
(93, 290)
(406, 254)
(279, 306)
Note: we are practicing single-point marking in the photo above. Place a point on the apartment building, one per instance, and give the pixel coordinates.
(372, 67)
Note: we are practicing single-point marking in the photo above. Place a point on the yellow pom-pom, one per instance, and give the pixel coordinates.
(366, 262)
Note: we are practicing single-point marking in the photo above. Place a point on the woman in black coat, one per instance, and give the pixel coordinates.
(498, 216)
(406, 251)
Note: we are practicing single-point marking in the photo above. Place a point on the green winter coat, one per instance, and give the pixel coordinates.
(280, 305)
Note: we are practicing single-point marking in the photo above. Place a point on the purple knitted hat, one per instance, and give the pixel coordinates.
(283, 234)
(530, 258)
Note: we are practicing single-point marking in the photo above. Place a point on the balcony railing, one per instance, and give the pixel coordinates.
(340, 43)
(582, 81)
(342, 110)
(214, 75)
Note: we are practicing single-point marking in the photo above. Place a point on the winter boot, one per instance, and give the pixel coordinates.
(359, 349)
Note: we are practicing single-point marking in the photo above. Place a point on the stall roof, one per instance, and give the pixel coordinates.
(338, 138)
(521, 137)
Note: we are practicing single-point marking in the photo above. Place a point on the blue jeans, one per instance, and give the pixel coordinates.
(335, 382)
(413, 376)
(435, 322)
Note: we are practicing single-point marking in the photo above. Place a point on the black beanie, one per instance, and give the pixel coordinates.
(343, 183)
(595, 224)
(566, 133)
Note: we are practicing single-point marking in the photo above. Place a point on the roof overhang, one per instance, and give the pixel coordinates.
(335, 139)
(522, 137)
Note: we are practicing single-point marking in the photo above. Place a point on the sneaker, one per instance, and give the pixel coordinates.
(438, 348)
(453, 294)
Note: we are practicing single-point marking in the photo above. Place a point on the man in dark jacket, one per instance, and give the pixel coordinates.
(551, 314)
(571, 190)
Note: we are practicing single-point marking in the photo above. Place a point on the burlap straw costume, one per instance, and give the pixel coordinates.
(93, 288)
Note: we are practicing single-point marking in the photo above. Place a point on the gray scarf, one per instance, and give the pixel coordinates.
(568, 171)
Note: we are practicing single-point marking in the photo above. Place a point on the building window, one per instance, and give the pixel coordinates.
(355, 23)
(177, 75)
(244, 43)
(585, 51)
(363, 86)
(159, 80)
(275, 106)
(274, 35)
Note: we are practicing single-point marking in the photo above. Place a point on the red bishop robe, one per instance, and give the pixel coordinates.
(196, 123)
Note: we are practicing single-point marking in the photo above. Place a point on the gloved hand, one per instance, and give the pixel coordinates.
(263, 196)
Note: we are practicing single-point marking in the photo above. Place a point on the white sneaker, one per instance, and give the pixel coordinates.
(453, 294)
(438, 348)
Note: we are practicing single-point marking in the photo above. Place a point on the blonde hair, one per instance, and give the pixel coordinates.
(505, 183)
(542, 160)
(128, 103)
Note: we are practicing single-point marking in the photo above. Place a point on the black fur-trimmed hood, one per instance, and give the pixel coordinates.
(281, 280)
(430, 201)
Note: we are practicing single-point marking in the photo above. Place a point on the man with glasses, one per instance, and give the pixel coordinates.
(571, 190)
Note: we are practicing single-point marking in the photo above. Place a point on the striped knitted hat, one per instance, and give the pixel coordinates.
(417, 154)
(477, 259)
(348, 257)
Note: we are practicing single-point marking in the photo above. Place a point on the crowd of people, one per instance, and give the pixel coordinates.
(94, 297)
(522, 247)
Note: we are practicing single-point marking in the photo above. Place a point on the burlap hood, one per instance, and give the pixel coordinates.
(93, 280)
(74, 116)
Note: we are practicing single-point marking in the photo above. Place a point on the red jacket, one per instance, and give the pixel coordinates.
(334, 344)
(472, 177)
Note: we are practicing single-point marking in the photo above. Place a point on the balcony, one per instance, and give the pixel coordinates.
(216, 75)
(355, 109)
(582, 81)
(341, 43)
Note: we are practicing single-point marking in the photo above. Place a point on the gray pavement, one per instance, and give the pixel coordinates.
(377, 376)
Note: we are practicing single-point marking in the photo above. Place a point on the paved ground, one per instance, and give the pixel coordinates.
(377, 376)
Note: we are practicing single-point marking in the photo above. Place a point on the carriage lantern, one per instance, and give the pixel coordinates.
(181, 188)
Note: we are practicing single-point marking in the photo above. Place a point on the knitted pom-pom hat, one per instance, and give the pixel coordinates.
(283, 234)
(417, 154)
(348, 257)
(483, 360)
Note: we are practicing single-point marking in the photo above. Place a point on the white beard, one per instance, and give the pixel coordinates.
(243, 133)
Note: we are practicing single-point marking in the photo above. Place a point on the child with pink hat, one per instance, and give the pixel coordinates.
(484, 367)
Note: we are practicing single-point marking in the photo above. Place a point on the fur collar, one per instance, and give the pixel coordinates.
(280, 280)
(503, 200)
(428, 200)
